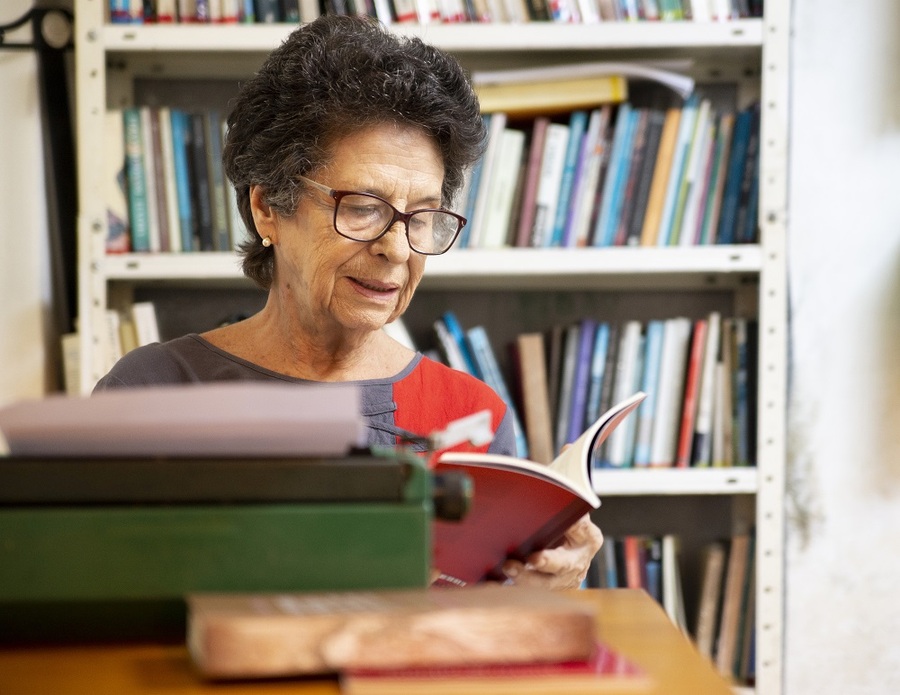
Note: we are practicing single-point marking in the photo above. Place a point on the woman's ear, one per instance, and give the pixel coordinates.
(263, 215)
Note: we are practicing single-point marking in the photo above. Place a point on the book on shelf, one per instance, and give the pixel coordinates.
(733, 600)
(616, 176)
(680, 154)
(690, 397)
(604, 669)
(597, 373)
(115, 184)
(531, 180)
(496, 123)
(653, 343)
(531, 366)
(644, 177)
(578, 121)
(138, 202)
(502, 189)
(619, 451)
(244, 636)
(167, 147)
(549, 181)
(489, 372)
(181, 136)
(201, 199)
(667, 416)
(212, 132)
(680, 83)
(659, 183)
(712, 570)
(717, 178)
(620, 231)
(153, 174)
(581, 378)
(569, 358)
(587, 177)
(695, 177)
(555, 95)
(731, 195)
(694, 148)
(701, 451)
(518, 506)
(158, 172)
(672, 589)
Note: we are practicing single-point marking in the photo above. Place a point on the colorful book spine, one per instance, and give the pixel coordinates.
(577, 126)
(732, 193)
(612, 185)
(138, 205)
(686, 126)
(180, 140)
(650, 385)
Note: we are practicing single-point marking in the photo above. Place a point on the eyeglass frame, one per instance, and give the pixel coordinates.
(337, 195)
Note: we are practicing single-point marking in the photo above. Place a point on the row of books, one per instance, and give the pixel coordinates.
(616, 175)
(427, 11)
(699, 376)
(722, 623)
(166, 191)
(123, 330)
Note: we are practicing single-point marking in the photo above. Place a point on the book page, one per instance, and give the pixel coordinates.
(575, 462)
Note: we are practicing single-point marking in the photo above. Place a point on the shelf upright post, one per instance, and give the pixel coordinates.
(90, 106)
(772, 367)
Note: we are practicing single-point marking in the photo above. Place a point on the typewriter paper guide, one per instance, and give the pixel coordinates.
(221, 419)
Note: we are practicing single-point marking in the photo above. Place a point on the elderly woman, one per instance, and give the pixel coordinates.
(345, 151)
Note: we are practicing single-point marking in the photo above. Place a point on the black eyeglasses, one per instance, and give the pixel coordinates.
(366, 217)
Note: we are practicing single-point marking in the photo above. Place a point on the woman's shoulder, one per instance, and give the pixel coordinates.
(154, 363)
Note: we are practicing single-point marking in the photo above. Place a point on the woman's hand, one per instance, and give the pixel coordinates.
(562, 567)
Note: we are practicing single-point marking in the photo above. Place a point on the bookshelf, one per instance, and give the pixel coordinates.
(515, 288)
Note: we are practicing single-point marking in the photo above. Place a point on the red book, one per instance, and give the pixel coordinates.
(691, 389)
(518, 506)
(606, 668)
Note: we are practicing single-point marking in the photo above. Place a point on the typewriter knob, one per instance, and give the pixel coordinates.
(452, 495)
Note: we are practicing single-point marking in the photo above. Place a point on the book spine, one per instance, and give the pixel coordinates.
(115, 176)
(180, 146)
(577, 126)
(680, 156)
(159, 175)
(138, 212)
(731, 194)
(213, 136)
(581, 379)
(532, 178)
(611, 191)
(552, 164)
(691, 388)
(201, 182)
(167, 148)
(655, 121)
(650, 385)
(660, 183)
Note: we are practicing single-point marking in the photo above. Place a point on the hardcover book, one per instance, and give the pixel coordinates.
(518, 506)
(270, 635)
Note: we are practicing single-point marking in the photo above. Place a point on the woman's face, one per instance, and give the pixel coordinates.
(332, 284)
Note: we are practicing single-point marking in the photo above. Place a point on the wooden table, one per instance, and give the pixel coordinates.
(629, 621)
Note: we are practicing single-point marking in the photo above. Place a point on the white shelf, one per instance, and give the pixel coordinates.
(542, 36)
(675, 481)
(698, 266)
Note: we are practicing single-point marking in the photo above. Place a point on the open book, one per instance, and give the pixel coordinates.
(518, 506)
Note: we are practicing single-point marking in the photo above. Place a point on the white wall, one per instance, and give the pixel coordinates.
(843, 564)
(24, 279)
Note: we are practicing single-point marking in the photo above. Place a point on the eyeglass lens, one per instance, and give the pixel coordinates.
(363, 218)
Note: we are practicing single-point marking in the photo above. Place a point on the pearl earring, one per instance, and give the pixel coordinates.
(266, 241)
